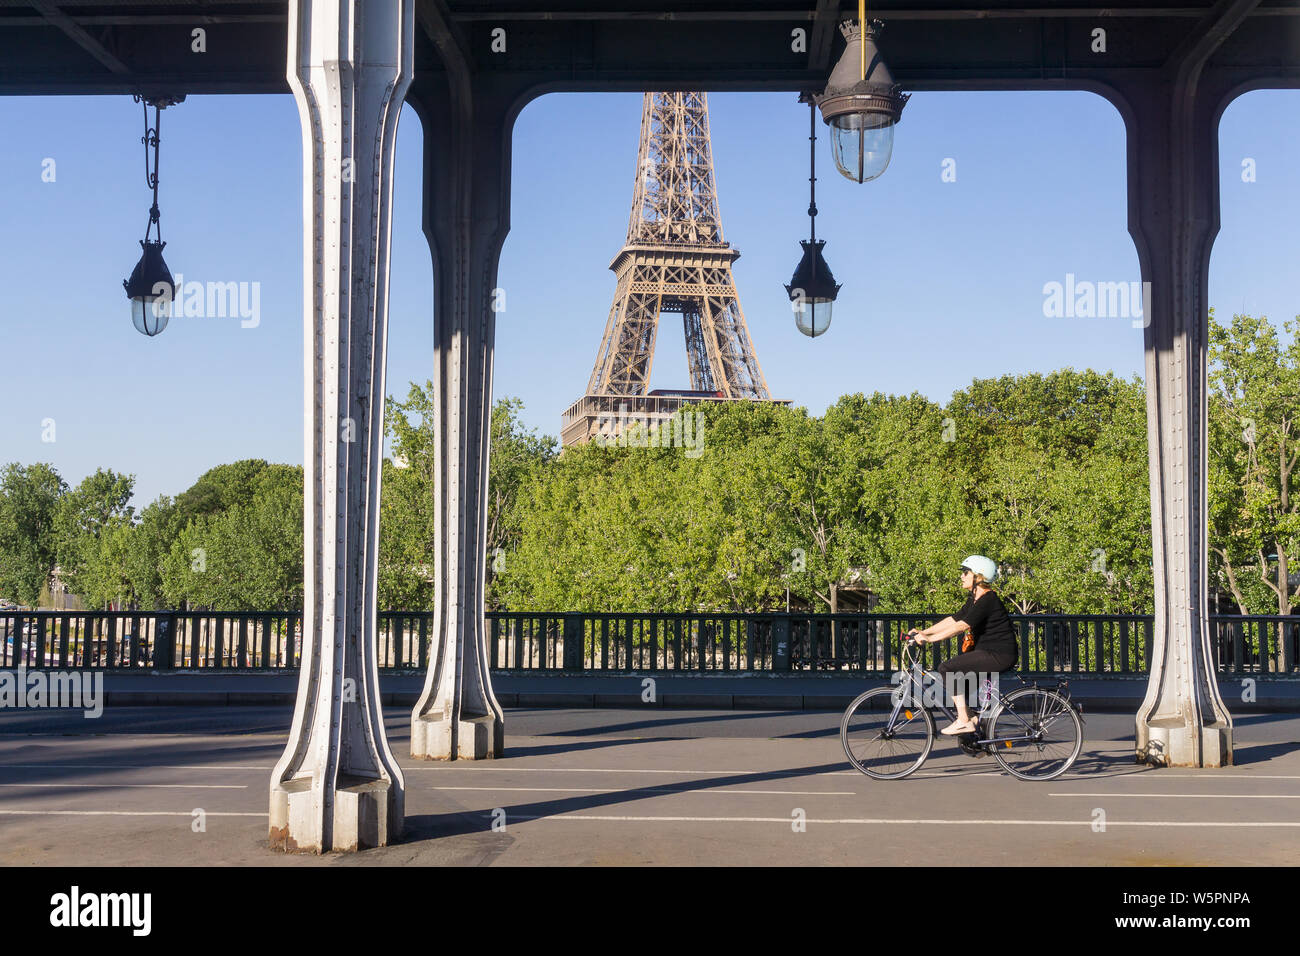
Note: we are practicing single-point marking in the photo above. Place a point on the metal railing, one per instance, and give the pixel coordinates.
(866, 644)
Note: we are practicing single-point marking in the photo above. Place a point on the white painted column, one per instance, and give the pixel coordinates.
(1174, 217)
(467, 189)
(337, 786)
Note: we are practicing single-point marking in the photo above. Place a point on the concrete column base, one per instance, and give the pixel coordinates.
(1172, 743)
(367, 813)
(476, 738)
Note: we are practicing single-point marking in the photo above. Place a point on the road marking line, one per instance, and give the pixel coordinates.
(885, 822)
(452, 765)
(787, 793)
(960, 773)
(1222, 776)
(123, 813)
(1188, 796)
(115, 786)
(118, 766)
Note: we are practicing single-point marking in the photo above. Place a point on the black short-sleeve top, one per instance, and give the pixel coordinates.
(989, 623)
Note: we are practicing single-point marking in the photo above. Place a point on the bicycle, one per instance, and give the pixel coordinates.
(1034, 733)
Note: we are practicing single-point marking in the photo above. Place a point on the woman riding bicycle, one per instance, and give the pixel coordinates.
(994, 643)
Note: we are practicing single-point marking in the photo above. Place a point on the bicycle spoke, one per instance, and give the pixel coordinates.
(879, 749)
(1050, 722)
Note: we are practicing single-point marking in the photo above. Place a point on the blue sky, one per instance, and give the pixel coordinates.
(942, 280)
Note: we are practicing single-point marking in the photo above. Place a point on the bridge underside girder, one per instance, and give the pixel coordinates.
(73, 46)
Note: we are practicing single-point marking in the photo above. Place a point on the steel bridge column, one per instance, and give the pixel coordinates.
(466, 218)
(1173, 217)
(337, 786)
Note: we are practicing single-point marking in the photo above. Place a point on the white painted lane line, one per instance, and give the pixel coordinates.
(121, 766)
(887, 821)
(1188, 796)
(1244, 775)
(139, 786)
(440, 767)
(959, 773)
(452, 765)
(124, 813)
(709, 790)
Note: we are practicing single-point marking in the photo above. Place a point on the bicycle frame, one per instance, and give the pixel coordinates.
(915, 684)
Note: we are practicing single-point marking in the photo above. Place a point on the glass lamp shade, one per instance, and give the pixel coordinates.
(862, 104)
(813, 316)
(812, 290)
(150, 316)
(150, 290)
(862, 144)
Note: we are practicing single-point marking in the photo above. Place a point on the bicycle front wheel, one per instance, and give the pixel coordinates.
(883, 744)
(1035, 734)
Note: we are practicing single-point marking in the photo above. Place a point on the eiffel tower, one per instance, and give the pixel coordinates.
(674, 260)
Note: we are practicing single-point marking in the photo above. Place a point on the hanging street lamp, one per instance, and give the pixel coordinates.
(151, 288)
(812, 288)
(861, 103)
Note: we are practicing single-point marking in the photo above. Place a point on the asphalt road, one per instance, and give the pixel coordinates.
(637, 787)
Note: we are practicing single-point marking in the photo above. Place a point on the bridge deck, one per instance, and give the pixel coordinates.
(635, 787)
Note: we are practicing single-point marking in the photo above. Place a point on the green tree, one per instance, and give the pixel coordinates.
(407, 529)
(517, 454)
(246, 556)
(902, 489)
(1254, 500)
(219, 488)
(99, 505)
(29, 504)
(149, 542)
(407, 534)
(105, 575)
(1056, 466)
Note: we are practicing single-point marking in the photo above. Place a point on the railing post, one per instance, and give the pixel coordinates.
(266, 641)
(241, 652)
(20, 640)
(164, 646)
(781, 643)
(64, 661)
(110, 659)
(572, 642)
(40, 640)
(219, 641)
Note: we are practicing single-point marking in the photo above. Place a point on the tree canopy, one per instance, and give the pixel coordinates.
(883, 494)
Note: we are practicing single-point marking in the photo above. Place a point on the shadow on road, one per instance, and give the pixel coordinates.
(425, 826)
(549, 749)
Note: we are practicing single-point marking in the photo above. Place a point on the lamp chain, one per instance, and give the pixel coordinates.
(812, 169)
(151, 138)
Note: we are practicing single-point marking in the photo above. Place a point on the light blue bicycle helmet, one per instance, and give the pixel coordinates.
(981, 565)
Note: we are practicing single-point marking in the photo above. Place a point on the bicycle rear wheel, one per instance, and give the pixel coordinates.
(1035, 734)
(881, 751)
